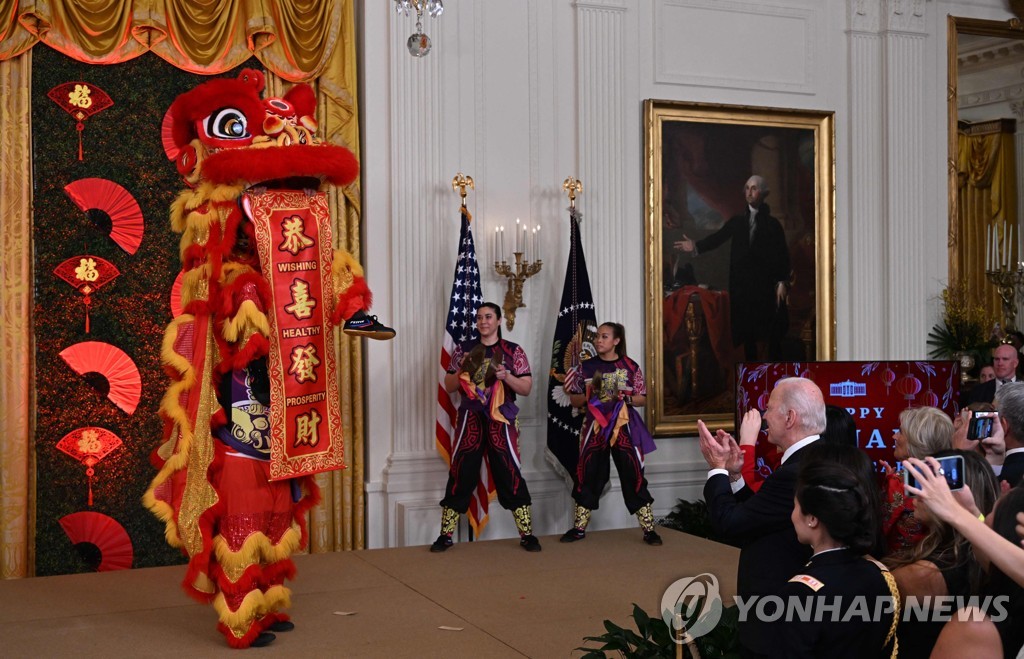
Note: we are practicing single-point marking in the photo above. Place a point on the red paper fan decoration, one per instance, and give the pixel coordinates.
(89, 445)
(110, 538)
(176, 308)
(88, 274)
(81, 100)
(99, 194)
(113, 364)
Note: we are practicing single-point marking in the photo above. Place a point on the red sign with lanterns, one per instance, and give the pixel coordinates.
(874, 393)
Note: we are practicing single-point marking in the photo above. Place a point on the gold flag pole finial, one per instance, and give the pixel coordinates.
(460, 183)
(572, 186)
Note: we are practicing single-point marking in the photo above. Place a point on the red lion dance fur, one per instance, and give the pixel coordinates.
(237, 527)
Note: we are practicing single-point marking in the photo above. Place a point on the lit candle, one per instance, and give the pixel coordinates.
(494, 247)
(1006, 248)
(991, 253)
(518, 237)
(988, 248)
(536, 241)
(526, 239)
(501, 242)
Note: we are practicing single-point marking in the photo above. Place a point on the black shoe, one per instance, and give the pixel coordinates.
(530, 543)
(442, 543)
(361, 324)
(652, 538)
(282, 626)
(572, 535)
(263, 640)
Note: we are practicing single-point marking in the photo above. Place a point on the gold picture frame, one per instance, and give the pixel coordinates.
(697, 159)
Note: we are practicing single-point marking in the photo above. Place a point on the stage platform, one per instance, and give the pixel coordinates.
(497, 600)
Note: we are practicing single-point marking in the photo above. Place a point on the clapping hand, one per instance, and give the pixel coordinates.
(720, 450)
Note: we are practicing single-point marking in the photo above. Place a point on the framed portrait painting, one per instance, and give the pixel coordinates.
(739, 214)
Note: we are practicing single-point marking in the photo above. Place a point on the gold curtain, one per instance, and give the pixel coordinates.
(16, 365)
(987, 205)
(300, 40)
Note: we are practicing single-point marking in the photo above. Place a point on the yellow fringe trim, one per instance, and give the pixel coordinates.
(248, 319)
(256, 549)
(345, 268)
(170, 407)
(256, 604)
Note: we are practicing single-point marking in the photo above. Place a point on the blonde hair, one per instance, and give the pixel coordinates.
(927, 430)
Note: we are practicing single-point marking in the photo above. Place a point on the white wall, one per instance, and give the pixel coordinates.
(520, 94)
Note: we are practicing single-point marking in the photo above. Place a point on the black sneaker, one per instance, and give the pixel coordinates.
(572, 535)
(361, 324)
(530, 543)
(652, 538)
(263, 640)
(442, 543)
(282, 626)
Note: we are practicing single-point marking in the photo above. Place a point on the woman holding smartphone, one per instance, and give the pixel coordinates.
(942, 564)
(614, 386)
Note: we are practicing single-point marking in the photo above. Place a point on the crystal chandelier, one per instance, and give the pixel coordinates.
(419, 43)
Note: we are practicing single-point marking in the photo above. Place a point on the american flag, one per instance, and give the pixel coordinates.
(460, 327)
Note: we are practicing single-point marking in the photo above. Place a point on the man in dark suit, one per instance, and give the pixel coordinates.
(1010, 405)
(758, 273)
(1004, 363)
(759, 523)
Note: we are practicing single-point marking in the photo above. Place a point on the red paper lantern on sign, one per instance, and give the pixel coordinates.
(81, 100)
(909, 386)
(762, 401)
(888, 377)
(931, 399)
(88, 274)
(89, 445)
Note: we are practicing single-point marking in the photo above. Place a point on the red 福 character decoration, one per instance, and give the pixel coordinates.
(88, 274)
(81, 100)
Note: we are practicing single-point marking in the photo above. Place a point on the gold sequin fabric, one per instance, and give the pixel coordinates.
(524, 520)
(646, 517)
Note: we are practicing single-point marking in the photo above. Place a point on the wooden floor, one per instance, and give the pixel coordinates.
(481, 599)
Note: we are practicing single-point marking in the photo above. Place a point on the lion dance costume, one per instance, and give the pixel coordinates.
(252, 411)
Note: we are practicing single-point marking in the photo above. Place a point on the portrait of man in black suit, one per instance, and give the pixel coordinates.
(758, 273)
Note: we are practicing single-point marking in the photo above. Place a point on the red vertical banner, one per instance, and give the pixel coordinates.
(293, 240)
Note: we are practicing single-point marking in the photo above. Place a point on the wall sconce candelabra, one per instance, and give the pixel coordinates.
(526, 244)
(419, 43)
(1006, 275)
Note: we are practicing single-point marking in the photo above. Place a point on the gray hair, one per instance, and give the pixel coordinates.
(927, 430)
(761, 183)
(803, 397)
(1010, 403)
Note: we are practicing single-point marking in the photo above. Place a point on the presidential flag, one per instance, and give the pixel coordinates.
(575, 329)
(460, 326)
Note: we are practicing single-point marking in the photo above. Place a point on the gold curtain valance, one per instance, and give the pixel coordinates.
(294, 39)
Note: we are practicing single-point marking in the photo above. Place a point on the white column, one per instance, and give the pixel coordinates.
(862, 233)
(906, 224)
(603, 155)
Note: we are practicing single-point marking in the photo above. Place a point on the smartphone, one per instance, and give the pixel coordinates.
(980, 425)
(952, 468)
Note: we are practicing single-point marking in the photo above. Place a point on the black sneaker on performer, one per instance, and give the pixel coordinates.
(361, 324)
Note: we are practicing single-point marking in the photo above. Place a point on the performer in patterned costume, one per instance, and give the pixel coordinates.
(614, 385)
(489, 373)
(224, 506)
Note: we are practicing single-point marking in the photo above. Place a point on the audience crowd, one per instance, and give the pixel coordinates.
(827, 526)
